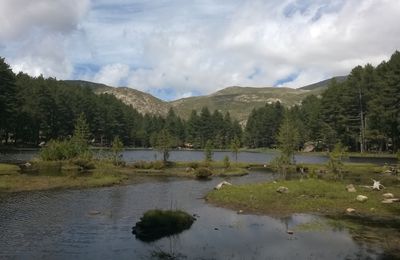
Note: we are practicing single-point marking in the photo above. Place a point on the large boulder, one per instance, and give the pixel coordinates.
(362, 198)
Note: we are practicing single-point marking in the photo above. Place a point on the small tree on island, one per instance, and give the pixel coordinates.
(288, 140)
(235, 145)
(335, 162)
(208, 152)
(163, 142)
(227, 163)
(116, 151)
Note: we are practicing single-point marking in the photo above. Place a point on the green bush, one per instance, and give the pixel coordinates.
(194, 165)
(203, 173)
(157, 165)
(84, 163)
(63, 150)
(227, 163)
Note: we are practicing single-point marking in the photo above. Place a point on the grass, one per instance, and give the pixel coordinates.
(41, 182)
(59, 175)
(307, 196)
(8, 169)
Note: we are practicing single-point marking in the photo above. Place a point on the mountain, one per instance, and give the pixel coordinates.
(324, 84)
(239, 101)
(141, 101)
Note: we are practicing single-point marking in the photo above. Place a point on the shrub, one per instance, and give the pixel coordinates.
(227, 163)
(194, 165)
(203, 173)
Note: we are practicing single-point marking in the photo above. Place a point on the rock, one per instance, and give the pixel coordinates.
(220, 185)
(351, 188)
(94, 212)
(350, 210)
(361, 198)
(27, 165)
(42, 144)
(390, 201)
(290, 232)
(189, 169)
(388, 195)
(282, 189)
(240, 211)
(388, 172)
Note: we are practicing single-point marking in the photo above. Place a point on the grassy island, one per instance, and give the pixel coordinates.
(321, 194)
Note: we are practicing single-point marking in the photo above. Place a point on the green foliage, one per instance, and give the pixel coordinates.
(262, 125)
(194, 165)
(235, 146)
(335, 162)
(203, 172)
(116, 151)
(227, 163)
(208, 151)
(288, 138)
(76, 147)
(163, 142)
(156, 165)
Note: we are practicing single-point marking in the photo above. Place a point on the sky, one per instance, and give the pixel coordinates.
(180, 48)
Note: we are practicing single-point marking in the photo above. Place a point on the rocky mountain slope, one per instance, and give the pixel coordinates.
(141, 101)
(239, 101)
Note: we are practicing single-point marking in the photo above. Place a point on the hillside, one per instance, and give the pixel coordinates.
(239, 101)
(141, 101)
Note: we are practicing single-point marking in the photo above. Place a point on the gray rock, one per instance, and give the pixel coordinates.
(351, 188)
(390, 201)
(388, 195)
(361, 198)
(282, 189)
(220, 185)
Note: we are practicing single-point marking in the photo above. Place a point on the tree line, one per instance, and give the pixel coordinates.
(37, 109)
(362, 113)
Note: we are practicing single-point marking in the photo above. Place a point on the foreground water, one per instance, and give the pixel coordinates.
(61, 225)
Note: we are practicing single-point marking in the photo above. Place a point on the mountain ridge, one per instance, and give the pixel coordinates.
(239, 101)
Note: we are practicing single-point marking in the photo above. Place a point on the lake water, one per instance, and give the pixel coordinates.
(184, 155)
(58, 225)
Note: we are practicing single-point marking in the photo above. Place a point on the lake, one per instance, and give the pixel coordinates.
(59, 225)
(134, 155)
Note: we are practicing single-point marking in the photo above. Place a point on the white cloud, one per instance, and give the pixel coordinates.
(200, 46)
(112, 75)
(36, 33)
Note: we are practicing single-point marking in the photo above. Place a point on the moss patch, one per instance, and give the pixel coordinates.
(156, 224)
